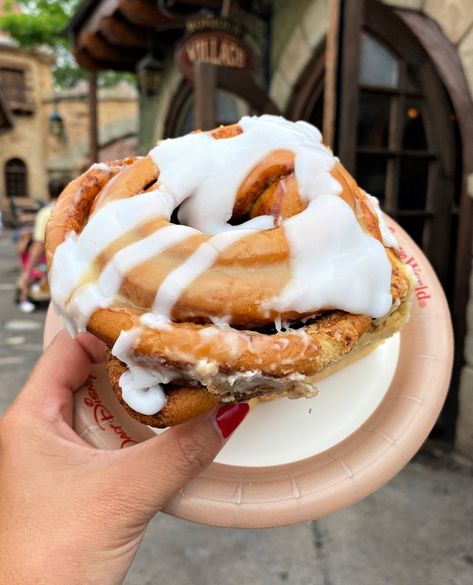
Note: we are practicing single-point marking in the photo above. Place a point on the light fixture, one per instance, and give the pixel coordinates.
(56, 122)
(150, 73)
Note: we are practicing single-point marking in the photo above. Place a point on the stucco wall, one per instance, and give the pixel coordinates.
(117, 115)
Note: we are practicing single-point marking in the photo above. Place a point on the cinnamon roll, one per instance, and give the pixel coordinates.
(240, 262)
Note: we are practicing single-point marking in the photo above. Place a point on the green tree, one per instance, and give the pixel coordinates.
(43, 23)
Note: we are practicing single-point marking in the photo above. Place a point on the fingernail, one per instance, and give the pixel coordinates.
(229, 416)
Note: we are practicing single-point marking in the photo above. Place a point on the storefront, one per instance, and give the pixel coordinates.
(410, 120)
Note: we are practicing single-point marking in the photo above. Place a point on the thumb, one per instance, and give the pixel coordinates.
(160, 466)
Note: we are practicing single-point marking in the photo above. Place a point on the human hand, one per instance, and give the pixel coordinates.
(74, 515)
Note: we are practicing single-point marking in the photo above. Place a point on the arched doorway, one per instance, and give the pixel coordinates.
(238, 94)
(408, 148)
(16, 178)
(181, 118)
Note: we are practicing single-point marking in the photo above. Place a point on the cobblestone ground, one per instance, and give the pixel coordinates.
(417, 530)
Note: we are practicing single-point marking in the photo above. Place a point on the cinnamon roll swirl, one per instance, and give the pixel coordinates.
(228, 264)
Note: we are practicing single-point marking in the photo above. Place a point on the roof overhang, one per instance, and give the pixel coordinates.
(115, 34)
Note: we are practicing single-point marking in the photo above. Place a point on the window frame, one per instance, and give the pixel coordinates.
(24, 104)
(14, 177)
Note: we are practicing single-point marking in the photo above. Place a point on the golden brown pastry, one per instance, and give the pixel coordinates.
(224, 265)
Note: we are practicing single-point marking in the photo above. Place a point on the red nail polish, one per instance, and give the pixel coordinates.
(229, 416)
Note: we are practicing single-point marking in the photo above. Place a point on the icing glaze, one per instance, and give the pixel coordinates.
(388, 237)
(141, 386)
(101, 166)
(200, 261)
(346, 259)
(329, 253)
(74, 256)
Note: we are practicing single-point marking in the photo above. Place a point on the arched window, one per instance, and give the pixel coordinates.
(16, 178)
(405, 153)
(394, 158)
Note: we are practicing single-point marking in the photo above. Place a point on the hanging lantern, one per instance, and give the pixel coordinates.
(56, 122)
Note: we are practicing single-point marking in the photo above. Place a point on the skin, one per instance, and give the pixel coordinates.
(69, 513)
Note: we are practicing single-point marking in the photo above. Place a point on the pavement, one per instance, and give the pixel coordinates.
(416, 530)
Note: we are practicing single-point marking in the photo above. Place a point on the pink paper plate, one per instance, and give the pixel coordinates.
(298, 460)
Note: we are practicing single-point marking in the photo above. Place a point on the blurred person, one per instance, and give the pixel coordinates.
(72, 514)
(34, 253)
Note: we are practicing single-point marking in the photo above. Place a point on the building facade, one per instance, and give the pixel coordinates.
(25, 76)
(33, 148)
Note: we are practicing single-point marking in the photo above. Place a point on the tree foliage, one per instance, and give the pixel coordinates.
(43, 23)
(40, 22)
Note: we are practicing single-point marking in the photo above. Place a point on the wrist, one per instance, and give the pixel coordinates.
(20, 566)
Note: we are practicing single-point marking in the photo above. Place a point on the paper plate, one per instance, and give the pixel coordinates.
(297, 460)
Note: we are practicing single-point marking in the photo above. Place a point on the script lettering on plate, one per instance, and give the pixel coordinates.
(102, 415)
(422, 288)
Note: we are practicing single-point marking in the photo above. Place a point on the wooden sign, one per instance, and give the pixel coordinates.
(214, 47)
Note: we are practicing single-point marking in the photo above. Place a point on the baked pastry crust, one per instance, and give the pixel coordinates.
(215, 363)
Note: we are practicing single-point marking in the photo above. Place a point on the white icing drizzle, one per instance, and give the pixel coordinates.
(201, 260)
(128, 258)
(333, 262)
(87, 298)
(101, 166)
(141, 386)
(387, 236)
(206, 173)
(349, 270)
(74, 256)
(141, 389)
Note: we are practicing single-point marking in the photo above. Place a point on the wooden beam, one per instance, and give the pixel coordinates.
(205, 90)
(89, 63)
(93, 119)
(101, 50)
(145, 13)
(341, 84)
(123, 34)
(331, 69)
(103, 8)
